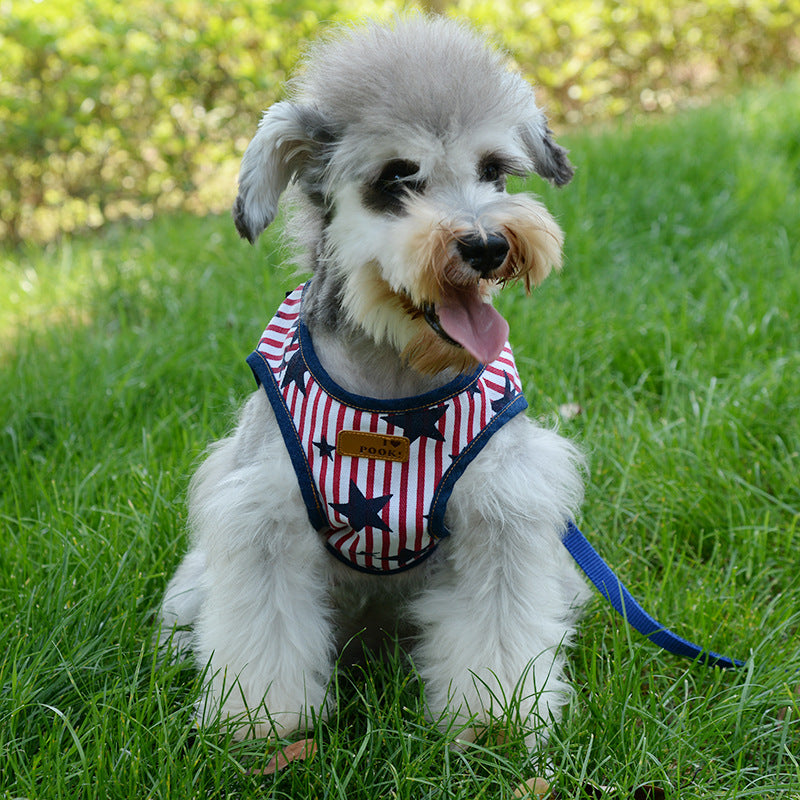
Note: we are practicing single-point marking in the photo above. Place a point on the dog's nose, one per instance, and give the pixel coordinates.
(483, 254)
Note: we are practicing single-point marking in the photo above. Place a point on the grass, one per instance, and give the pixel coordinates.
(673, 326)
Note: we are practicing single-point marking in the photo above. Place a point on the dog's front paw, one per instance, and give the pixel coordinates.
(493, 731)
(276, 716)
(485, 708)
(258, 723)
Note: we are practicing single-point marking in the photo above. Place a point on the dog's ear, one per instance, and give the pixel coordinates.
(549, 159)
(289, 139)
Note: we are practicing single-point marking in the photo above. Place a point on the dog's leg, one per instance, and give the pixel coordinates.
(502, 607)
(264, 628)
(265, 634)
(181, 605)
(492, 643)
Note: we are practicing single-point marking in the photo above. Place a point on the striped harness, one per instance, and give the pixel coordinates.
(376, 475)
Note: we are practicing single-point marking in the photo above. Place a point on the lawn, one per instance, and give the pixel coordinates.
(673, 327)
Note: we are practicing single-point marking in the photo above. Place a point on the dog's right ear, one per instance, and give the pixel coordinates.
(549, 158)
(288, 139)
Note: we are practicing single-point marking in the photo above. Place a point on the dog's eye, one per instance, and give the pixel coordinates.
(386, 193)
(395, 176)
(491, 171)
(398, 170)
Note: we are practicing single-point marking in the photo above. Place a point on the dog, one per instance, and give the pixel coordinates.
(383, 472)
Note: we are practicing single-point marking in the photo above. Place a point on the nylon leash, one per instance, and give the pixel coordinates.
(610, 586)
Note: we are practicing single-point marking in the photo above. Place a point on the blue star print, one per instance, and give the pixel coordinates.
(361, 511)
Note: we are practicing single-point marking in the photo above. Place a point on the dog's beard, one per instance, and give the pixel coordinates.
(430, 354)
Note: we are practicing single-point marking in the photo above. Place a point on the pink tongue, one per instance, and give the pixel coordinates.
(473, 324)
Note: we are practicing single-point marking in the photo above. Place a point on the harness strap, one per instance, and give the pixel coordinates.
(610, 586)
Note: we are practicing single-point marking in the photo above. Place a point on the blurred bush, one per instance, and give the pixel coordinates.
(599, 58)
(114, 109)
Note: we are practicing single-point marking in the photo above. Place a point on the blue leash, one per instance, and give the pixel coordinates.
(610, 586)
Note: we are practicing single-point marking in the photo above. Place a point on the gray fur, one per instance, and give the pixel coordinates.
(363, 89)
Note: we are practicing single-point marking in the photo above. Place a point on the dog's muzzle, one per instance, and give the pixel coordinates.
(461, 316)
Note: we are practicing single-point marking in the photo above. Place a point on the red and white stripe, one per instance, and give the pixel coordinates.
(316, 414)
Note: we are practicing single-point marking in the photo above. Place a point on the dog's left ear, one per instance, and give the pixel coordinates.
(549, 159)
(289, 139)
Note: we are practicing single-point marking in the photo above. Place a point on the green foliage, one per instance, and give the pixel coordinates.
(673, 326)
(122, 109)
(116, 109)
(599, 58)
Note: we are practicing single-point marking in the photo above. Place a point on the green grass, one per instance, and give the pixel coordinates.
(673, 325)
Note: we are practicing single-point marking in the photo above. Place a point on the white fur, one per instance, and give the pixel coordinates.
(258, 599)
(497, 604)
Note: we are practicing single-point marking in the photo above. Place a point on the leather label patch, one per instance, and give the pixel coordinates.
(362, 444)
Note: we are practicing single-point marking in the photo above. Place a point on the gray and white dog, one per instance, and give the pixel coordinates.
(382, 471)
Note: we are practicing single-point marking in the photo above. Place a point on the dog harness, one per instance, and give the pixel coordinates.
(376, 475)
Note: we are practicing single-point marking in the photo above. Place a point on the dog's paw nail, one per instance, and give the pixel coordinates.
(533, 789)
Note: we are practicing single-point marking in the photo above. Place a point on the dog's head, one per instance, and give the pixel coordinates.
(399, 140)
